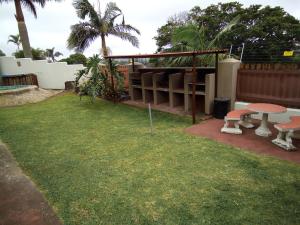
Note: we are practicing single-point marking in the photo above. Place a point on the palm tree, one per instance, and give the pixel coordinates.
(192, 37)
(98, 25)
(30, 4)
(15, 39)
(50, 53)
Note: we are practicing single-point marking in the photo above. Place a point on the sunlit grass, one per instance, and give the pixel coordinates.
(99, 164)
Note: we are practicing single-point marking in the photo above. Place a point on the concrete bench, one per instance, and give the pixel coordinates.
(284, 137)
(238, 117)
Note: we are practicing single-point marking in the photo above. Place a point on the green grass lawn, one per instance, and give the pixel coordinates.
(99, 164)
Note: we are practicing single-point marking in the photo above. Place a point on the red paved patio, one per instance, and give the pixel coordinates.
(248, 140)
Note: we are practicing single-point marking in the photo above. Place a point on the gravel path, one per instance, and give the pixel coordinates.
(30, 96)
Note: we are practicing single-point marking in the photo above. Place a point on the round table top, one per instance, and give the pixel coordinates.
(266, 108)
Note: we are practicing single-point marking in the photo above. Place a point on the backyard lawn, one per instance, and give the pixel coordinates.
(99, 164)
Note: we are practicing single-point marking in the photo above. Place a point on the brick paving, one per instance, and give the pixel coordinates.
(248, 140)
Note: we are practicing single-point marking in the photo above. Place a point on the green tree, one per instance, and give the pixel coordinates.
(266, 31)
(50, 53)
(99, 25)
(15, 39)
(29, 4)
(77, 58)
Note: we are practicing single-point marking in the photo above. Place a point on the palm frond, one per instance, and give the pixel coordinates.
(127, 37)
(111, 12)
(14, 39)
(42, 3)
(29, 4)
(227, 28)
(81, 36)
(84, 8)
(125, 28)
(57, 54)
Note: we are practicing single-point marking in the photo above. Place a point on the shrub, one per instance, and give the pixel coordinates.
(76, 58)
(98, 80)
(37, 54)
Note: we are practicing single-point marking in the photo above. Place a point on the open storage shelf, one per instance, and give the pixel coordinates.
(162, 97)
(178, 99)
(149, 98)
(137, 94)
(147, 80)
(172, 87)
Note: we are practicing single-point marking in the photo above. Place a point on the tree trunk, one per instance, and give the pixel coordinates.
(104, 48)
(105, 53)
(22, 30)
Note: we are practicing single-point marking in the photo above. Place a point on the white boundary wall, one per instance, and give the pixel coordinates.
(49, 75)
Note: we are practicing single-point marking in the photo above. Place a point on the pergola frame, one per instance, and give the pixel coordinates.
(178, 54)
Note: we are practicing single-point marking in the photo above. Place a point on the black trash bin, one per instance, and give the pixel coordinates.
(221, 107)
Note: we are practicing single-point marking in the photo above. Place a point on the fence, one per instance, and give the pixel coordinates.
(278, 84)
(24, 79)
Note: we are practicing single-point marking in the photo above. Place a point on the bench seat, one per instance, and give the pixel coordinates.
(238, 117)
(284, 137)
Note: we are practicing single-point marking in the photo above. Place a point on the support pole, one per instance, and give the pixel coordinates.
(111, 73)
(132, 61)
(194, 90)
(216, 74)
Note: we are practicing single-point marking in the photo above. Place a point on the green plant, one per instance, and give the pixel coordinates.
(98, 80)
(99, 25)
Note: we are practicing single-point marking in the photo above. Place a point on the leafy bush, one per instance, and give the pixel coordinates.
(76, 58)
(99, 81)
(37, 54)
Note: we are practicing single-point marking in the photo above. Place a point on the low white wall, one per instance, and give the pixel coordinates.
(275, 118)
(49, 75)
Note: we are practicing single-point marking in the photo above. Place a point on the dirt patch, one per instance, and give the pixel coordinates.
(31, 96)
(20, 201)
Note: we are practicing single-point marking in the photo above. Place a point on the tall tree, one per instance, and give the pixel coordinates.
(30, 5)
(266, 31)
(99, 25)
(15, 39)
(50, 53)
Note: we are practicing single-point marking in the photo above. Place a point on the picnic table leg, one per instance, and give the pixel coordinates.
(263, 129)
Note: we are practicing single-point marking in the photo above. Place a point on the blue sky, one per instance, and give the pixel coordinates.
(52, 27)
